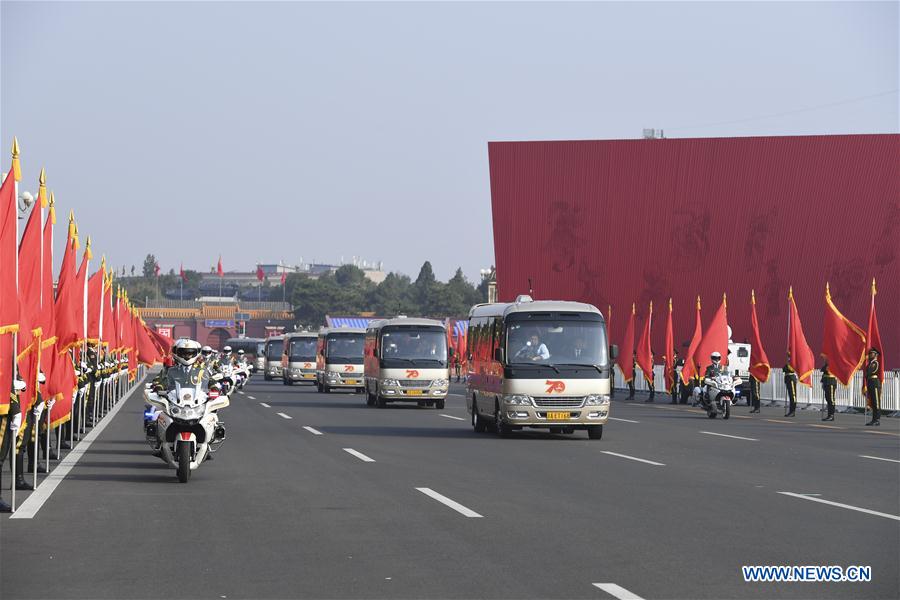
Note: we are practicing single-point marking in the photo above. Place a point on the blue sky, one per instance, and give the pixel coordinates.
(267, 131)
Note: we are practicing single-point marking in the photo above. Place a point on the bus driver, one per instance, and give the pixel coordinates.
(533, 349)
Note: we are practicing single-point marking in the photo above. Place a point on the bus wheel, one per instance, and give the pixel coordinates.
(439, 404)
(595, 432)
(478, 423)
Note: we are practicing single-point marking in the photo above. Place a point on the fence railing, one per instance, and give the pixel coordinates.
(774, 389)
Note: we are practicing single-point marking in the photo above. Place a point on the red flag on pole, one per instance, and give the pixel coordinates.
(843, 342)
(30, 249)
(626, 352)
(283, 277)
(219, 271)
(70, 315)
(181, 273)
(802, 359)
(644, 351)
(670, 351)
(759, 362)
(715, 339)
(690, 368)
(156, 269)
(95, 285)
(260, 275)
(873, 339)
(9, 237)
(61, 385)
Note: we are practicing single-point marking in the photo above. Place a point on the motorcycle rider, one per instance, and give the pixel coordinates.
(713, 370)
(207, 355)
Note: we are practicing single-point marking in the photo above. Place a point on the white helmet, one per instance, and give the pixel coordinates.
(206, 351)
(240, 352)
(186, 351)
(226, 350)
(41, 377)
(715, 356)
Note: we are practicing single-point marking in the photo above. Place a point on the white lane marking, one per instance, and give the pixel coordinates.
(643, 460)
(734, 437)
(617, 591)
(839, 505)
(37, 498)
(879, 458)
(624, 421)
(284, 416)
(467, 512)
(251, 397)
(311, 430)
(452, 417)
(240, 392)
(358, 455)
(264, 404)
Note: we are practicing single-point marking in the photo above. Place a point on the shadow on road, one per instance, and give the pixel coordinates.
(125, 465)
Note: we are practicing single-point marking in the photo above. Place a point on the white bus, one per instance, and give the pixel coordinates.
(339, 359)
(406, 361)
(543, 364)
(272, 353)
(298, 357)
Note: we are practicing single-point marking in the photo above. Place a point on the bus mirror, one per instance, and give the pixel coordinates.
(498, 354)
(614, 352)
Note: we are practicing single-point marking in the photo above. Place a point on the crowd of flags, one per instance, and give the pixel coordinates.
(47, 328)
(844, 345)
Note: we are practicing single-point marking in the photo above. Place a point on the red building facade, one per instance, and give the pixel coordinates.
(622, 221)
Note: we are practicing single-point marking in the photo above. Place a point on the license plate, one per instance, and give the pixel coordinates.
(557, 416)
(413, 392)
(350, 381)
(308, 376)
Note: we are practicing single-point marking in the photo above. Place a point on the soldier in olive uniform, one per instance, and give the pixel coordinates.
(676, 391)
(829, 387)
(754, 394)
(9, 427)
(873, 386)
(633, 373)
(790, 384)
(649, 378)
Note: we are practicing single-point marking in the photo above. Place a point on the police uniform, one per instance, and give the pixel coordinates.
(6, 439)
(790, 383)
(873, 389)
(829, 387)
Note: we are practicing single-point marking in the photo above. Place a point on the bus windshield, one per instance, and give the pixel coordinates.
(406, 345)
(273, 349)
(563, 342)
(260, 349)
(303, 349)
(345, 348)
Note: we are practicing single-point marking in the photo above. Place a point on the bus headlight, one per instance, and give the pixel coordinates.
(597, 400)
(517, 399)
(439, 382)
(390, 383)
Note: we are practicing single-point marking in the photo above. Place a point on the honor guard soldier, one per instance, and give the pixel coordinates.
(633, 372)
(790, 384)
(9, 429)
(754, 394)
(829, 387)
(873, 386)
(649, 377)
(676, 377)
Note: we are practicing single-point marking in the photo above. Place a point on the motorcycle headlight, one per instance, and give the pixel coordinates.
(517, 399)
(390, 382)
(596, 399)
(439, 382)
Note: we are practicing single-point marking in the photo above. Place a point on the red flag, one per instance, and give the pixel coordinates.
(283, 277)
(759, 362)
(801, 355)
(690, 368)
(9, 237)
(219, 271)
(109, 328)
(70, 315)
(61, 386)
(156, 269)
(626, 352)
(7, 356)
(843, 342)
(644, 350)
(147, 352)
(715, 339)
(28, 357)
(461, 347)
(30, 248)
(164, 343)
(48, 312)
(95, 294)
(260, 275)
(181, 273)
(873, 339)
(670, 351)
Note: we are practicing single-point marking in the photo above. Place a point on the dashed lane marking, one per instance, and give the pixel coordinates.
(735, 437)
(617, 591)
(623, 420)
(826, 426)
(264, 404)
(312, 430)
(251, 397)
(882, 433)
(284, 416)
(643, 460)
(894, 460)
(358, 455)
(840, 505)
(778, 421)
(452, 417)
(466, 512)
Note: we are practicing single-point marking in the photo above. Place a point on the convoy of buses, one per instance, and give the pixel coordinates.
(534, 364)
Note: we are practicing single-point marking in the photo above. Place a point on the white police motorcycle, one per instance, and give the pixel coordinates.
(719, 394)
(186, 428)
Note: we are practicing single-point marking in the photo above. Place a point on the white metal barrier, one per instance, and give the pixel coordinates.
(774, 389)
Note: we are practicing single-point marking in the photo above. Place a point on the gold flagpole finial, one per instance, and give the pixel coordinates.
(827, 290)
(633, 311)
(52, 204)
(651, 307)
(753, 296)
(874, 291)
(698, 301)
(42, 188)
(670, 305)
(103, 263)
(16, 166)
(791, 293)
(87, 249)
(724, 299)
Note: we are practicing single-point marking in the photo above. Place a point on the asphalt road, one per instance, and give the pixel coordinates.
(409, 502)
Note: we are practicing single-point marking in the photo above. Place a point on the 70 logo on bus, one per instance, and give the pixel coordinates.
(555, 387)
(348, 368)
(410, 373)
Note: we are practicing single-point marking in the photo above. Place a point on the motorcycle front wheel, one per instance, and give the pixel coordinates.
(727, 410)
(184, 463)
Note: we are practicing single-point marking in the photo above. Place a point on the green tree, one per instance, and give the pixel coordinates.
(393, 296)
(149, 269)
